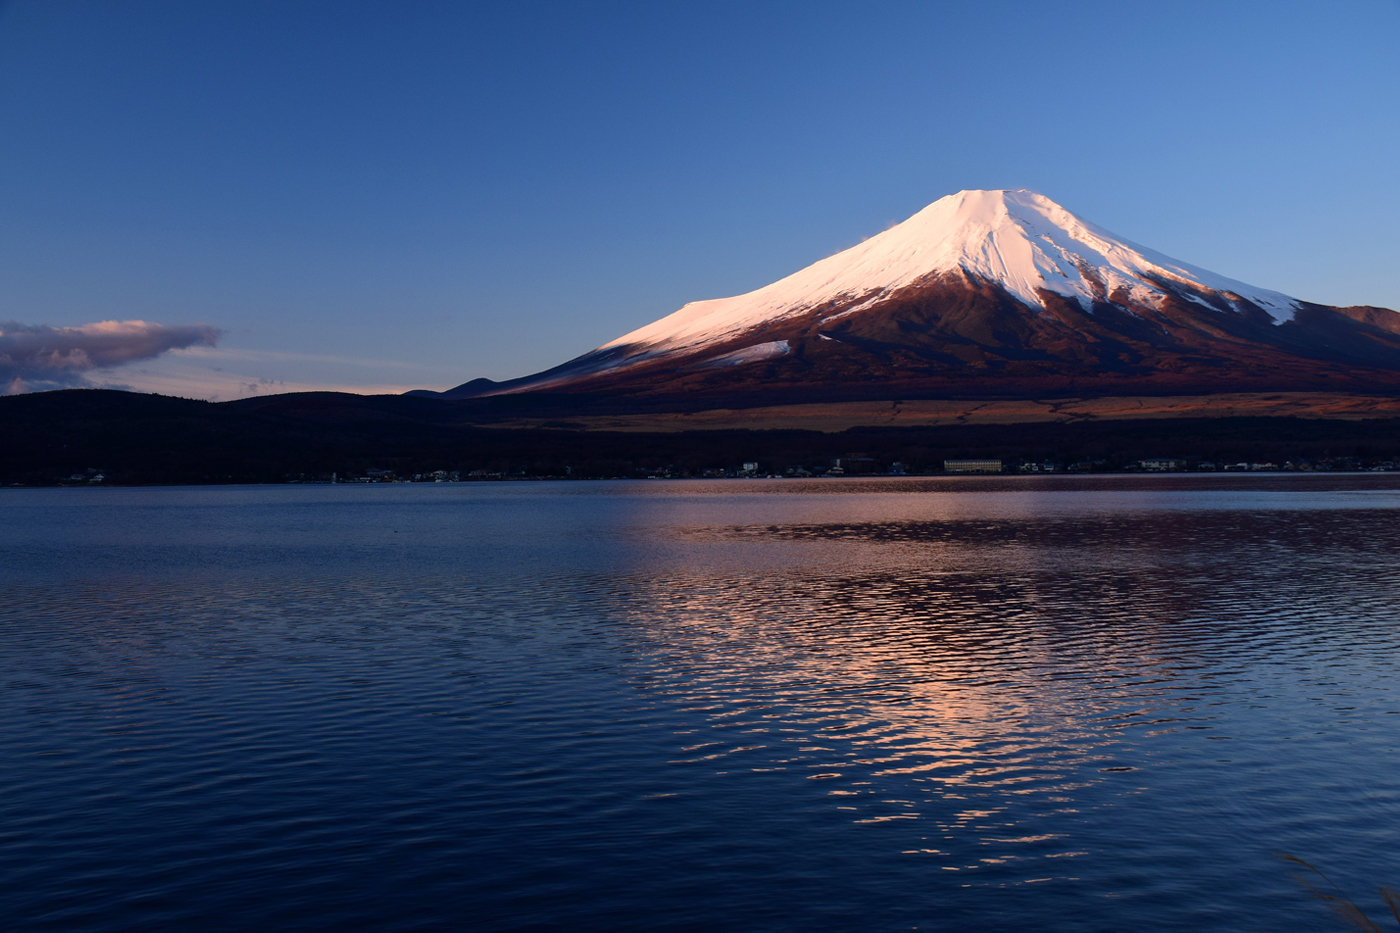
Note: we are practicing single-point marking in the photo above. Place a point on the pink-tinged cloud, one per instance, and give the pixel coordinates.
(36, 356)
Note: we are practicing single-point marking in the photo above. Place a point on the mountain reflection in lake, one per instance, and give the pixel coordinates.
(978, 703)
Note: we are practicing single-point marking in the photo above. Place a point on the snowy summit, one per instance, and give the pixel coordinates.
(1020, 240)
(986, 284)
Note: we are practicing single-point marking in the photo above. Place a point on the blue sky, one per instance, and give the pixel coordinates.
(378, 196)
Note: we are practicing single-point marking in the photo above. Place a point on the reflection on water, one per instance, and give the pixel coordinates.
(1051, 703)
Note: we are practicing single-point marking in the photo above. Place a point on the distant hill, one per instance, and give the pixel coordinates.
(49, 438)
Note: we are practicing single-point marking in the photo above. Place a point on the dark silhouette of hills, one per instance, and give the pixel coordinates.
(46, 438)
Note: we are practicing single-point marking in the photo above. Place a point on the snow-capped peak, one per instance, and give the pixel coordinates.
(1019, 239)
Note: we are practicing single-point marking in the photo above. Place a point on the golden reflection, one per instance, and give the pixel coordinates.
(1004, 659)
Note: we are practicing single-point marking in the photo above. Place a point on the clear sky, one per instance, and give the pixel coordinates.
(380, 196)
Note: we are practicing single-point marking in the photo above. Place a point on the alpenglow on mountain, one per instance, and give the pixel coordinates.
(986, 293)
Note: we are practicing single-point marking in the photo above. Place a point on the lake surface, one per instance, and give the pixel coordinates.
(964, 704)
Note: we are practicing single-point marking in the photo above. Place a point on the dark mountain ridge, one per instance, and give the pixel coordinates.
(136, 439)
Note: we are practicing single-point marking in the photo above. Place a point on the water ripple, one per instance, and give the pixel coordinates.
(874, 705)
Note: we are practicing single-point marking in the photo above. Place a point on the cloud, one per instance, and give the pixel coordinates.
(36, 356)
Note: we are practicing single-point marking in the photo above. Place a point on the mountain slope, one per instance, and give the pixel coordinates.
(987, 292)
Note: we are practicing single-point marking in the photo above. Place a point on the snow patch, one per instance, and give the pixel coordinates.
(753, 354)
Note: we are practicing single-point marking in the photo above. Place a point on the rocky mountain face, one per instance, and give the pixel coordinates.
(986, 293)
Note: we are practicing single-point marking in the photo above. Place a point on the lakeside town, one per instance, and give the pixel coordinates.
(868, 466)
(854, 465)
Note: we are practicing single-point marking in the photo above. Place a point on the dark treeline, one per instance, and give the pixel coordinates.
(132, 439)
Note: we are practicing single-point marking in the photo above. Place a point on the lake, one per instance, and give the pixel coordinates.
(976, 703)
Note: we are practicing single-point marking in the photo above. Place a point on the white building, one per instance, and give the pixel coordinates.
(971, 466)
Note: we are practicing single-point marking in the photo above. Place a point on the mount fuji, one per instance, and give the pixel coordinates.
(984, 294)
